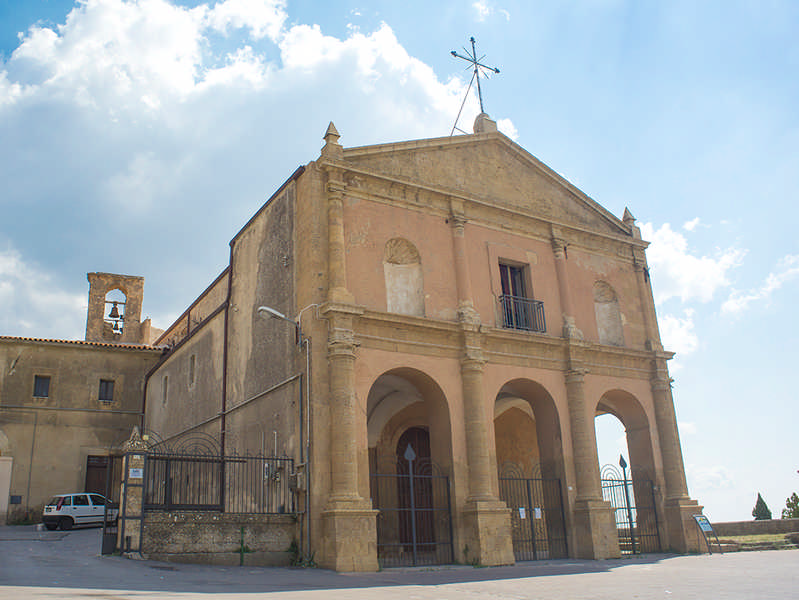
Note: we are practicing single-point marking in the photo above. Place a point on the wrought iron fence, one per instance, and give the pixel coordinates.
(635, 509)
(245, 484)
(523, 313)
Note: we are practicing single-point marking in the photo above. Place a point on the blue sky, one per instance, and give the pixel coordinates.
(137, 137)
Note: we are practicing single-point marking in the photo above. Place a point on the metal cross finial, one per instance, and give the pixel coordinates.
(472, 58)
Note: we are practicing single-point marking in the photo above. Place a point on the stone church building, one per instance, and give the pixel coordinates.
(448, 305)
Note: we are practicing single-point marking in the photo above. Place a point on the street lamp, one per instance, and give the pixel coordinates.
(305, 458)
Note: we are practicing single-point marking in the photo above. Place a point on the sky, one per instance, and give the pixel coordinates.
(138, 136)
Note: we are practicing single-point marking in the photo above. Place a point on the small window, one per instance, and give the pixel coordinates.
(81, 500)
(164, 389)
(97, 500)
(41, 386)
(106, 390)
(192, 367)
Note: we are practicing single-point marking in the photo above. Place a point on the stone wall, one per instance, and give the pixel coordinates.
(772, 526)
(215, 538)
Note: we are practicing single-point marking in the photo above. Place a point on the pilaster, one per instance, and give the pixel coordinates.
(559, 250)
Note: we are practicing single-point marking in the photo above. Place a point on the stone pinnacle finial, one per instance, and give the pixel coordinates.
(332, 149)
(628, 218)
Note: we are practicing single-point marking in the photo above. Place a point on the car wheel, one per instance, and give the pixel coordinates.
(65, 523)
(51, 526)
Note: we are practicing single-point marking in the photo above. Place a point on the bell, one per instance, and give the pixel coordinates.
(116, 326)
(114, 314)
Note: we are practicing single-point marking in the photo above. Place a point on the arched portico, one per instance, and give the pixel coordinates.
(407, 409)
(529, 455)
(637, 513)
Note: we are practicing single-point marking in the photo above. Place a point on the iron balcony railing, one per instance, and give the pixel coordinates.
(523, 313)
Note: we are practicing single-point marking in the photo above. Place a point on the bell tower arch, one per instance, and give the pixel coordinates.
(114, 313)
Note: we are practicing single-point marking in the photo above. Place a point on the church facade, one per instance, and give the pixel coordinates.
(459, 306)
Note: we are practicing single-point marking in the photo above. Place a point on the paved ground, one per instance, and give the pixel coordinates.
(67, 565)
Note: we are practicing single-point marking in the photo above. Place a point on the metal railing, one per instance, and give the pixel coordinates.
(522, 313)
(242, 484)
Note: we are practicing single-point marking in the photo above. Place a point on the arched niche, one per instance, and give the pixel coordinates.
(402, 268)
(608, 315)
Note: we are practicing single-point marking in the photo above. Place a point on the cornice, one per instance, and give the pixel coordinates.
(473, 205)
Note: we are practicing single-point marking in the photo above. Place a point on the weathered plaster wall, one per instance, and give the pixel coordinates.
(262, 352)
(186, 404)
(50, 438)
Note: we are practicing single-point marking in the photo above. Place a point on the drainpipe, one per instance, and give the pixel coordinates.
(225, 351)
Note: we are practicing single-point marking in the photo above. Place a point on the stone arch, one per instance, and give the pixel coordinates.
(527, 430)
(638, 431)
(115, 297)
(608, 315)
(398, 400)
(402, 269)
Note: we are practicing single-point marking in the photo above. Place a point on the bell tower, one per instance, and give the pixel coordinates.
(114, 314)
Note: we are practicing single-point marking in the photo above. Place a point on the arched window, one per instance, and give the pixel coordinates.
(608, 315)
(402, 267)
(115, 302)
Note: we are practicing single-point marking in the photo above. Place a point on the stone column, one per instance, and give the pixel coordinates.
(595, 534)
(131, 501)
(559, 245)
(349, 525)
(487, 538)
(678, 507)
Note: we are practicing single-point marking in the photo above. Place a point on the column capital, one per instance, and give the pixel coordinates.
(576, 375)
(472, 359)
(457, 221)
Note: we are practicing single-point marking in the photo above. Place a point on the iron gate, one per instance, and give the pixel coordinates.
(538, 523)
(636, 515)
(113, 478)
(414, 522)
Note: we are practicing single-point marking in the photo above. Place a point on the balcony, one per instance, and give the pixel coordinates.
(523, 313)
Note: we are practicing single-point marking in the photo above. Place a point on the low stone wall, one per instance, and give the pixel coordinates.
(215, 538)
(772, 526)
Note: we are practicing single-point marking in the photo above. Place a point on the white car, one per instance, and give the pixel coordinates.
(66, 510)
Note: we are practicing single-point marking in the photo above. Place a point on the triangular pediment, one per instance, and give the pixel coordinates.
(491, 168)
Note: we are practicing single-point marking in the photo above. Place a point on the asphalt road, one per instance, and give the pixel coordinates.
(67, 565)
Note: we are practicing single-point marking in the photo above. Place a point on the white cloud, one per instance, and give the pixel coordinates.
(32, 306)
(688, 428)
(261, 17)
(708, 478)
(691, 225)
(482, 9)
(786, 270)
(678, 335)
(676, 272)
(149, 125)
(507, 127)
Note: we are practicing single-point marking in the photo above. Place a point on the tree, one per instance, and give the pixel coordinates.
(791, 510)
(761, 512)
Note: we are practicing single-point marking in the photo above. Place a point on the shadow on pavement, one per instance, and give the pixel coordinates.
(72, 560)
